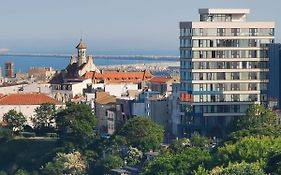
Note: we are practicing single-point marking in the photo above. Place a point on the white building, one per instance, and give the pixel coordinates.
(224, 68)
(25, 103)
(120, 89)
(44, 88)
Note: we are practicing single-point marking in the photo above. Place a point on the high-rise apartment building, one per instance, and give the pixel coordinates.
(9, 69)
(224, 68)
(274, 89)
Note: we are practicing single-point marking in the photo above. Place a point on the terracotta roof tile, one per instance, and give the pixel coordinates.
(27, 99)
(160, 79)
(119, 77)
(105, 98)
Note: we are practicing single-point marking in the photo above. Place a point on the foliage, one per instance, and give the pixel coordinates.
(3, 173)
(182, 163)
(133, 156)
(249, 149)
(179, 145)
(242, 168)
(112, 161)
(15, 120)
(273, 165)
(76, 124)
(255, 132)
(199, 141)
(29, 154)
(257, 116)
(44, 116)
(143, 133)
(22, 172)
(200, 171)
(71, 163)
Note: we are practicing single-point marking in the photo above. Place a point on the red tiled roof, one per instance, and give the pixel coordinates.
(160, 79)
(2, 95)
(27, 99)
(119, 77)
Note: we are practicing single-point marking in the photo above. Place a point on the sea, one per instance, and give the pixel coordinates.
(22, 63)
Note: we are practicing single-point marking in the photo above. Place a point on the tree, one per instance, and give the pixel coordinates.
(143, 133)
(72, 163)
(180, 145)
(22, 172)
(133, 156)
(112, 161)
(248, 149)
(76, 124)
(257, 116)
(199, 141)
(273, 165)
(44, 116)
(185, 162)
(15, 120)
(242, 168)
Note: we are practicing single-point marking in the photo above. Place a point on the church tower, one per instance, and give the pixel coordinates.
(81, 48)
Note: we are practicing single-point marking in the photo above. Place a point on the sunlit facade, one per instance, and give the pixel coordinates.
(224, 68)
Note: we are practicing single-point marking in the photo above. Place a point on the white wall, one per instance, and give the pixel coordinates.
(11, 89)
(119, 89)
(27, 110)
(36, 87)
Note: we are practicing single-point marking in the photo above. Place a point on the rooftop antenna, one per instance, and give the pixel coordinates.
(81, 35)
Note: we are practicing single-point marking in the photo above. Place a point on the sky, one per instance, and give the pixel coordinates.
(137, 27)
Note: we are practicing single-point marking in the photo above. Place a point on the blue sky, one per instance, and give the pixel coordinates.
(148, 27)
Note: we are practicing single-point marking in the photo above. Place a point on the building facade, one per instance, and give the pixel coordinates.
(274, 75)
(9, 69)
(224, 68)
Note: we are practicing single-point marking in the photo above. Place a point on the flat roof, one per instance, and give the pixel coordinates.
(223, 11)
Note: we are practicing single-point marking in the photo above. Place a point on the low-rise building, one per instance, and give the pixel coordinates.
(103, 102)
(25, 103)
(162, 84)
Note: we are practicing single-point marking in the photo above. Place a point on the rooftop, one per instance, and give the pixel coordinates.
(223, 11)
(104, 98)
(160, 79)
(81, 45)
(119, 77)
(27, 99)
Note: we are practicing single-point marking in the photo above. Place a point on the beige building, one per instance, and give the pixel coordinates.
(41, 73)
(25, 103)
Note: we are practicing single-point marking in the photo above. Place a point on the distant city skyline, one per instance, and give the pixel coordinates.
(110, 27)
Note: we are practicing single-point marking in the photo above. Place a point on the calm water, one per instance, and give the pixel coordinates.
(23, 63)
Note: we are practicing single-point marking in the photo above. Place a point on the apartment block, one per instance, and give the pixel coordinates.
(223, 68)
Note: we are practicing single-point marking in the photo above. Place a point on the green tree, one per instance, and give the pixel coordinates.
(22, 172)
(15, 120)
(3, 173)
(257, 116)
(72, 163)
(143, 133)
(133, 156)
(200, 171)
(242, 168)
(273, 165)
(248, 149)
(112, 161)
(44, 116)
(185, 162)
(199, 141)
(76, 124)
(180, 145)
